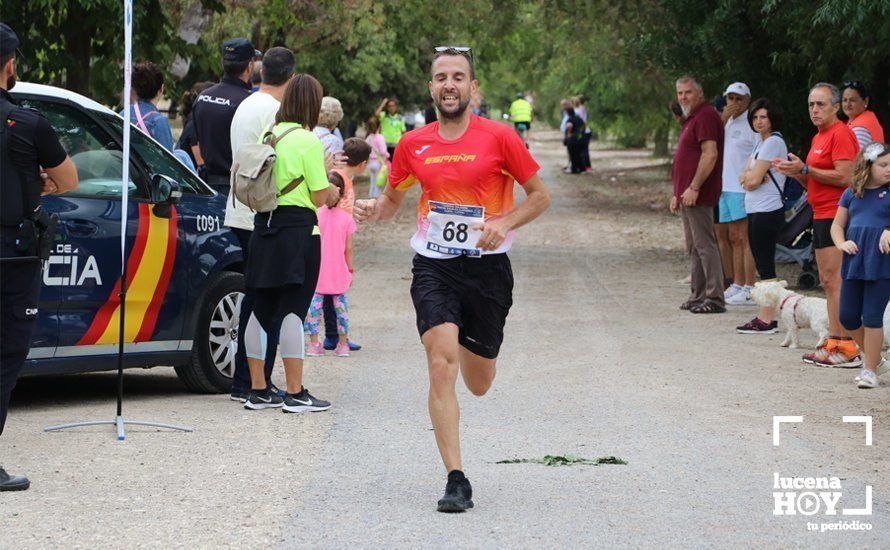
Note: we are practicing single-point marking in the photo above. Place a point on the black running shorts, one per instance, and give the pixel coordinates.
(822, 233)
(522, 126)
(473, 293)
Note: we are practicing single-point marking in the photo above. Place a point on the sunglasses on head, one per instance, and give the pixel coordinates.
(459, 50)
(856, 85)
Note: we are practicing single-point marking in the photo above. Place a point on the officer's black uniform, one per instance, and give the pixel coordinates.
(28, 142)
(213, 112)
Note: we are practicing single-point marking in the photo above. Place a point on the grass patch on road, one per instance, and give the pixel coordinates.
(564, 460)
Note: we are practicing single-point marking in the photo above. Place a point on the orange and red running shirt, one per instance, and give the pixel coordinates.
(477, 169)
(837, 142)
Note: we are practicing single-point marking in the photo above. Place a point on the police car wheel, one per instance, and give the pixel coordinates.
(212, 362)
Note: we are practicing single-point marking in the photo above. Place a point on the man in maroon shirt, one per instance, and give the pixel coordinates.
(696, 174)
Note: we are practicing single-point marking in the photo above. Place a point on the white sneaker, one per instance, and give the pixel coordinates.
(741, 298)
(867, 379)
(883, 368)
(731, 291)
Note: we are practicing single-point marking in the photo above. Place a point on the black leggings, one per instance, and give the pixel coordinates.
(763, 228)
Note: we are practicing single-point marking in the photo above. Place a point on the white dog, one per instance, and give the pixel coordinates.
(796, 310)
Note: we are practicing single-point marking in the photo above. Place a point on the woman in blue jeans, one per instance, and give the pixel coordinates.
(861, 230)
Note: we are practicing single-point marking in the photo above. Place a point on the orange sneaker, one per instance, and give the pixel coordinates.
(844, 355)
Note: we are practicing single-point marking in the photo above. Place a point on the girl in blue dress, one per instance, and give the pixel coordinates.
(861, 230)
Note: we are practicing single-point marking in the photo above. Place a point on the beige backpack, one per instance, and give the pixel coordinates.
(252, 181)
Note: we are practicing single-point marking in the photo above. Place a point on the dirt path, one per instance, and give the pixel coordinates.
(598, 361)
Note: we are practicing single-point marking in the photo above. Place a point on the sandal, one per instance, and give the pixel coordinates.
(689, 304)
(708, 307)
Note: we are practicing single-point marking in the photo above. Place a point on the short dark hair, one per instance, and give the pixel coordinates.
(278, 66)
(147, 79)
(301, 102)
(356, 150)
(5, 59)
(773, 112)
(235, 68)
(451, 52)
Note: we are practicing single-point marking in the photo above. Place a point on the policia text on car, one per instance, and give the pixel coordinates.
(33, 163)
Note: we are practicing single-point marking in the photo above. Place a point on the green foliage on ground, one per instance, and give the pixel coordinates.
(624, 56)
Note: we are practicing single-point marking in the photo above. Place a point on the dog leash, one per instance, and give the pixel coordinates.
(793, 311)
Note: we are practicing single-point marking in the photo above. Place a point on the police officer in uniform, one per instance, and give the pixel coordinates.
(215, 107)
(33, 163)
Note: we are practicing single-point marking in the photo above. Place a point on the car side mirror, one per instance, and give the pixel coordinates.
(165, 191)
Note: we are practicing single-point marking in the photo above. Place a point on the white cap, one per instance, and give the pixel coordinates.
(739, 88)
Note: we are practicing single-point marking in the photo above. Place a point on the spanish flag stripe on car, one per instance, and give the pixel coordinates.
(149, 267)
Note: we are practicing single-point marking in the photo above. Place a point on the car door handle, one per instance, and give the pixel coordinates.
(82, 227)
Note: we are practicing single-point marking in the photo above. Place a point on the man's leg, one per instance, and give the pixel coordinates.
(241, 375)
(829, 260)
(705, 243)
(697, 281)
(478, 372)
(442, 356)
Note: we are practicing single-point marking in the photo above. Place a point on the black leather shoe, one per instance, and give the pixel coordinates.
(13, 483)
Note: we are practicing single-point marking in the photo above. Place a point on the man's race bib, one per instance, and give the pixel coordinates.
(452, 230)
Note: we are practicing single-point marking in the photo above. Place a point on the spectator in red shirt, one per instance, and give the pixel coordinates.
(827, 171)
(696, 174)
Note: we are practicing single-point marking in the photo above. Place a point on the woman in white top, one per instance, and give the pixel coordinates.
(764, 201)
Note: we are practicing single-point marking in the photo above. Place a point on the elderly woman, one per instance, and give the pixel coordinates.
(826, 172)
(860, 119)
(330, 116)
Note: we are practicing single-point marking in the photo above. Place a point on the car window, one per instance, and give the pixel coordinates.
(96, 155)
(161, 161)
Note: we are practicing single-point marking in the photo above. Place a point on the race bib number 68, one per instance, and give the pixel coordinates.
(453, 228)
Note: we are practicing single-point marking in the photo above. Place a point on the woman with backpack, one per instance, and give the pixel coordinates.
(764, 201)
(285, 247)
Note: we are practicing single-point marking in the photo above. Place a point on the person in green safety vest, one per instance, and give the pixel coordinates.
(521, 115)
(392, 125)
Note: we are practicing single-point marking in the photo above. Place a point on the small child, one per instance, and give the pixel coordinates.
(861, 230)
(379, 156)
(335, 275)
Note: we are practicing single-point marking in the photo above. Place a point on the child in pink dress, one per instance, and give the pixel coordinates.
(335, 275)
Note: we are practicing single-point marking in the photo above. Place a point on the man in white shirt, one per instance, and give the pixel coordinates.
(732, 227)
(255, 116)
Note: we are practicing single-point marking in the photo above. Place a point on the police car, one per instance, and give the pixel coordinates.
(184, 267)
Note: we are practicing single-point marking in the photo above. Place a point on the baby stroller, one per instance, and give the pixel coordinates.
(794, 244)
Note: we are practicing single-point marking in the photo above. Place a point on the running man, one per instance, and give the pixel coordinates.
(463, 283)
(521, 115)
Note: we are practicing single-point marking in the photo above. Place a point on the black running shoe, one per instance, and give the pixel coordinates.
(276, 390)
(240, 396)
(756, 326)
(458, 494)
(304, 402)
(263, 399)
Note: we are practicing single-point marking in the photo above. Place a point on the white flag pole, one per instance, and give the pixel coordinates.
(119, 421)
(128, 70)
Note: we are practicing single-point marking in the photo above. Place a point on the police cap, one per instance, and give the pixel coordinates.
(238, 49)
(9, 42)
